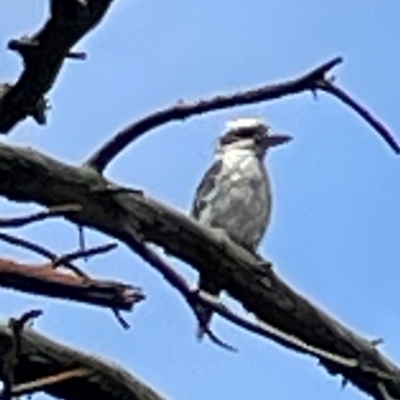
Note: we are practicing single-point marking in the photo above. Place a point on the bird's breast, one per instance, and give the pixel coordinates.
(239, 200)
(241, 165)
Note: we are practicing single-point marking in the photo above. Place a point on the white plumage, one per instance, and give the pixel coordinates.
(235, 193)
(244, 123)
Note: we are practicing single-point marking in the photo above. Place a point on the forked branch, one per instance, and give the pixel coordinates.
(314, 80)
(130, 216)
(47, 280)
(44, 54)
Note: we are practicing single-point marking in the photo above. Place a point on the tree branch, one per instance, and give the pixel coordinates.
(43, 55)
(128, 215)
(312, 81)
(46, 280)
(94, 378)
(18, 222)
(11, 357)
(328, 87)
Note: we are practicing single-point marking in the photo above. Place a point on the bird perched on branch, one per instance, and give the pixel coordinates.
(235, 193)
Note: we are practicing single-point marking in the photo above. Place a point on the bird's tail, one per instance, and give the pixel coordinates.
(204, 313)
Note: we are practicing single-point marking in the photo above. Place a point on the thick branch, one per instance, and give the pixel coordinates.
(44, 54)
(311, 81)
(41, 357)
(128, 215)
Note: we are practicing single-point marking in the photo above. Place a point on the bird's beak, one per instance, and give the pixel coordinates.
(275, 140)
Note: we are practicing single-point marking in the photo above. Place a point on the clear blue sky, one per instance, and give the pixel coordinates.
(336, 221)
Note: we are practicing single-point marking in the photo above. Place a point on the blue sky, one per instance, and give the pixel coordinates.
(336, 223)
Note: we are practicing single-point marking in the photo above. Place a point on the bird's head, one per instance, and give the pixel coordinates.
(250, 134)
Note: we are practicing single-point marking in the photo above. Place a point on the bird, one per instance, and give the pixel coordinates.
(234, 195)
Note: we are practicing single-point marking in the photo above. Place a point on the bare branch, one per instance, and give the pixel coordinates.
(311, 81)
(56, 211)
(44, 54)
(41, 250)
(47, 281)
(284, 315)
(328, 87)
(93, 251)
(120, 319)
(43, 360)
(13, 353)
(26, 244)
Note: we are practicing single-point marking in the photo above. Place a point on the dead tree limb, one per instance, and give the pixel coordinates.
(130, 215)
(11, 357)
(43, 55)
(66, 373)
(312, 81)
(48, 280)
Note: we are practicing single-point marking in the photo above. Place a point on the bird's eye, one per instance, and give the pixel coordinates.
(234, 136)
(246, 133)
(254, 133)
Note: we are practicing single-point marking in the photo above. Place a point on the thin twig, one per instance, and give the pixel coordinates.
(121, 320)
(64, 260)
(77, 55)
(55, 211)
(36, 248)
(85, 253)
(81, 238)
(329, 87)
(312, 81)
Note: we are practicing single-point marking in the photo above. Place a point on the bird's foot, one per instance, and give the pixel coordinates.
(203, 327)
(203, 309)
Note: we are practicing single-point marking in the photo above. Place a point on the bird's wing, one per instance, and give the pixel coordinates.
(207, 184)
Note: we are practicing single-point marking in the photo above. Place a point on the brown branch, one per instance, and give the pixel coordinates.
(288, 317)
(43, 55)
(41, 250)
(92, 378)
(311, 81)
(47, 281)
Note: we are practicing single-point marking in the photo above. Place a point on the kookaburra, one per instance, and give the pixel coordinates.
(235, 193)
